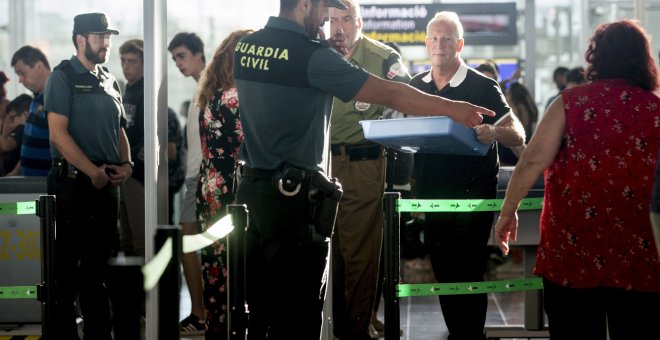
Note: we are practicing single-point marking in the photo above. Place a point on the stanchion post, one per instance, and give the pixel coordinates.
(391, 157)
(533, 305)
(169, 286)
(391, 249)
(46, 292)
(126, 288)
(236, 314)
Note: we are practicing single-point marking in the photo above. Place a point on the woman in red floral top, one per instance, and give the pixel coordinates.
(221, 137)
(597, 144)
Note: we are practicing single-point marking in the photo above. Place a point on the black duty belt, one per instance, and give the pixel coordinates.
(357, 152)
(67, 170)
(288, 180)
(258, 173)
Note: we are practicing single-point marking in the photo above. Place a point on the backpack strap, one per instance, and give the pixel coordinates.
(66, 67)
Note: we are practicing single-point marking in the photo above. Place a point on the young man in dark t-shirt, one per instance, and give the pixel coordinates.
(132, 191)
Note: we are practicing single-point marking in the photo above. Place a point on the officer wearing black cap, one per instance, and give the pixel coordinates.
(91, 159)
(287, 75)
(94, 23)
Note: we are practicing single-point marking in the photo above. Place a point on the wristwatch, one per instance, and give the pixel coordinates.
(127, 162)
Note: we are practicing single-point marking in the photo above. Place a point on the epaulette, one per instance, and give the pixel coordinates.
(67, 68)
(378, 48)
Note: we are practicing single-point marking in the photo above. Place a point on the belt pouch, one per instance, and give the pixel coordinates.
(324, 197)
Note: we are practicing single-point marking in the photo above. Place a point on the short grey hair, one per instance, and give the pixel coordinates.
(447, 16)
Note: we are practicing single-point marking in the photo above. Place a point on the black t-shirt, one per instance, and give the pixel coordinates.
(134, 107)
(440, 176)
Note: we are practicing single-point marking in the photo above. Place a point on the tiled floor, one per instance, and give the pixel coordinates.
(420, 317)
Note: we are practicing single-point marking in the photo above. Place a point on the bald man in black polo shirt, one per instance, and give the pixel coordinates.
(457, 242)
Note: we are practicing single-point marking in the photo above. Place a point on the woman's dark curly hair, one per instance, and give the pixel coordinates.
(3, 80)
(621, 50)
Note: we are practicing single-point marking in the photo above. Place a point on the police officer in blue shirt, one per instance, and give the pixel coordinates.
(286, 76)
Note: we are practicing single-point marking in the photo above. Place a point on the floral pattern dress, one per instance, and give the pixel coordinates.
(221, 136)
(595, 227)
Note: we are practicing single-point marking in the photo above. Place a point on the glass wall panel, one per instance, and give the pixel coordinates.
(4, 34)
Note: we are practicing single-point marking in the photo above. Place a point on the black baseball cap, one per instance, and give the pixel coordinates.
(92, 23)
(337, 4)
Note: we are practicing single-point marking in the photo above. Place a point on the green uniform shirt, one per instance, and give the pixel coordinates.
(379, 60)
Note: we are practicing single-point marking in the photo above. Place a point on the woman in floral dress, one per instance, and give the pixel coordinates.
(221, 137)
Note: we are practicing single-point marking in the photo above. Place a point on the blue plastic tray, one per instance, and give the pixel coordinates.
(425, 134)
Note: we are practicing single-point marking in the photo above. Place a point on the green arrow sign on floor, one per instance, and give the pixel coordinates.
(18, 292)
(470, 205)
(427, 289)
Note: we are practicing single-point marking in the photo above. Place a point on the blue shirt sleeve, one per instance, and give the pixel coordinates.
(331, 73)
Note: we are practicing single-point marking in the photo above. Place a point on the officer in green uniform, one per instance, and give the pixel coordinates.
(360, 167)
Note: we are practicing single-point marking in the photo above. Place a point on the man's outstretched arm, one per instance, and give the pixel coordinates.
(409, 100)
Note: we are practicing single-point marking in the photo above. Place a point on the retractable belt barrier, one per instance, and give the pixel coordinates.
(163, 269)
(394, 290)
(18, 292)
(458, 288)
(44, 208)
(159, 267)
(153, 270)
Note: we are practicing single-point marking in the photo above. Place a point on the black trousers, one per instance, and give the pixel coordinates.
(284, 268)
(86, 237)
(586, 313)
(457, 245)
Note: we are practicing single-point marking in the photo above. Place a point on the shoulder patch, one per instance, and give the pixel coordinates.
(396, 70)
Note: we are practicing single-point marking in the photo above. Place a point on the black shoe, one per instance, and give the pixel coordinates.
(192, 325)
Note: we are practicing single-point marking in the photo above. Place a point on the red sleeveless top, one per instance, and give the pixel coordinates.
(595, 227)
